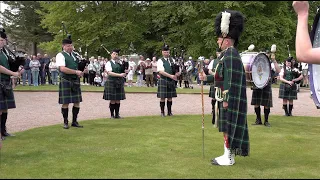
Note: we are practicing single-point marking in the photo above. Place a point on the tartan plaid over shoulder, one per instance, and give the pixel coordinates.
(236, 113)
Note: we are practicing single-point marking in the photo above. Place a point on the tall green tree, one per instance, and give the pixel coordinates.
(22, 23)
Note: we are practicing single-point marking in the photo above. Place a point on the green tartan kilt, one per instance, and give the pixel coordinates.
(166, 89)
(262, 97)
(289, 95)
(212, 92)
(7, 101)
(113, 93)
(222, 121)
(66, 94)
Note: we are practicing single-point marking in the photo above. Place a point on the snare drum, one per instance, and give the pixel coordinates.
(257, 67)
(314, 82)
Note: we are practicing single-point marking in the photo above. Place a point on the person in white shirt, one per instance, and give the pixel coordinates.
(154, 70)
(53, 69)
(166, 85)
(114, 86)
(97, 80)
(305, 74)
(132, 66)
(69, 86)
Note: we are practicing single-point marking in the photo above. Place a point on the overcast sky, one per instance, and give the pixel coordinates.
(2, 6)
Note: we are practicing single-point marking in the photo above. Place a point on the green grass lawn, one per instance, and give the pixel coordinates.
(154, 147)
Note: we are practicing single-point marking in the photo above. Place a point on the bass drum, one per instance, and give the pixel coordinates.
(258, 69)
(314, 82)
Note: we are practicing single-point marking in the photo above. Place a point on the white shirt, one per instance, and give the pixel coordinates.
(133, 65)
(272, 67)
(210, 66)
(304, 65)
(60, 60)
(97, 79)
(282, 71)
(108, 66)
(160, 66)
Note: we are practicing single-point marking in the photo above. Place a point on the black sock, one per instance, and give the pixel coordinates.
(258, 113)
(64, 112)
(162, 104)
(112, 108)
(213, 102)
(290, 108)
(4, 117)
(75, 112)
(266, 114)
(117, 108)
(285, 108)
(169, 104)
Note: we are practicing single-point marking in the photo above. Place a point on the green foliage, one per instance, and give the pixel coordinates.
(22, 22)
(187, 25)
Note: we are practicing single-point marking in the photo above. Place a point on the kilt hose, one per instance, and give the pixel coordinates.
(68, 94)
(289, 95)
(166, 89)
(113, 93)
(6, 98)
(262, 97)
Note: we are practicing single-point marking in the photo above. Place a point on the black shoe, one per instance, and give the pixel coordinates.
(65, 126)
(7, 134)
(75, 124)
(267, 124)
(170, 114)
(118, 117)
(163, 115)
(258, 122)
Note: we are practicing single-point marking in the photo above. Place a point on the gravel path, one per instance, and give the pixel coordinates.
(36, 109)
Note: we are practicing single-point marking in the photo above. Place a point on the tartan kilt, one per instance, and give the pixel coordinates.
(113, 93)
(289, 95)
(222, 120)
(66, 95)
(212, 92)
(164, 91)
(262, 97)
(7, 102)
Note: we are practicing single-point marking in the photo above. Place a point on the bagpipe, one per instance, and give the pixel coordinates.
(124, 65)
(294, 67)
(175, 67)
(76, 54)
(15, 59)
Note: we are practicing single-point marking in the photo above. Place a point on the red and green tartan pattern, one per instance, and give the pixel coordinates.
(289, 95)
(6, 102)
(164, 91)
(234, 118)
(111, 92)
(66, 95)
(262, 97)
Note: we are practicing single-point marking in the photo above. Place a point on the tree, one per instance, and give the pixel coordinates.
(22, 23)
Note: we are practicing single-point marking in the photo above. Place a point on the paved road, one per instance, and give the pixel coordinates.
(36, 109)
